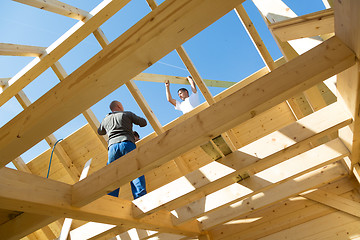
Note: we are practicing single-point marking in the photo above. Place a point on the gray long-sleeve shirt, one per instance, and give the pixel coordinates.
(118, 126)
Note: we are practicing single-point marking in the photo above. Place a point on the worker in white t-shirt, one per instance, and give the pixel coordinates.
(188, 102)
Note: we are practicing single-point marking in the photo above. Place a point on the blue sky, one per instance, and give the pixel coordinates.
(223, 51)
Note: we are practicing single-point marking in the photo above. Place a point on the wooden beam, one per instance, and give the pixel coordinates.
(88, 113)
(357, 172)
(93, 230)
(309, 25)
(60, 47)
(150, 77)
(337, 225)
(268, 91)
(23, 225)
(332, 200)
(65, 230)
(255, 37)
(51, 140)
(8, 49)
(313, 179)
(263, 181)
(347, 23)
(57, 7)
(30, 193)
(29, 218)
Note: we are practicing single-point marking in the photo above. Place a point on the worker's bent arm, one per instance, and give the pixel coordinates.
(192, 84)
(168, 94)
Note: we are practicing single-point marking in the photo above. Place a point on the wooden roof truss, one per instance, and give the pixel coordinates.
(274, 156)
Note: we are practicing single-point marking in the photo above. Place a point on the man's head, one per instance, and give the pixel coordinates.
(136, 136)
(183, 93)
(116, 106)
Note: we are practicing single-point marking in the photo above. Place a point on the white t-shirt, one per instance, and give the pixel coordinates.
(189, 103)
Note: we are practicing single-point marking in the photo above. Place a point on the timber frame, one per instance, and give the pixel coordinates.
(274, 156)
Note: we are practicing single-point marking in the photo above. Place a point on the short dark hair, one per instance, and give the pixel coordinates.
(136, 134)
(183, 89)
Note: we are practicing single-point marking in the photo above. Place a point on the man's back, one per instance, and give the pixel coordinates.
(118, 126)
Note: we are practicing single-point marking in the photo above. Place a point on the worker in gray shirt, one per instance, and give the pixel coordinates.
(118, 126)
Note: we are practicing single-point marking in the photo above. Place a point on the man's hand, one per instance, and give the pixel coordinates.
(167, 83)
(192, 83)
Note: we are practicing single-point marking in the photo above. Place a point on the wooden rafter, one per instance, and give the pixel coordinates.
(280, 192)
(348, 82)
(255, 37)
(309, 25)
(8, 49)
(60, 47)
(285, 177)
(88, 114)
(150, 77)
(333, 200)
(24, 224)
(57, 7)
(331, 62)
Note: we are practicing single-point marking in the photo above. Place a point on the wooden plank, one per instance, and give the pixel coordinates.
(29, 193)
(144, 106)
(57, 7)
(93, 230)
(313, 179)
(268, 91)
(65, 230)
(357, 172)
(151, 77)
(347, 24)
(60, 47)
(218, 176)
(20, 165)
(309, 25)
(195, 74)
(51, 140)
(8, 49)
(263, 181)
(3, 82)
(88, 113)
(348, 206)
(23, 225)
(255, 37)
(309, 229)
